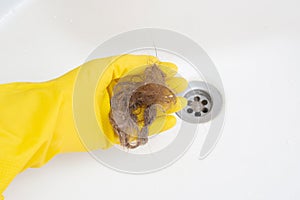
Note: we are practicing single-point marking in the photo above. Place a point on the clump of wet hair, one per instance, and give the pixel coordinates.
(135, 103)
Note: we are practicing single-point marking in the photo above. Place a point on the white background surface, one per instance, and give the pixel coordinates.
(255, 45)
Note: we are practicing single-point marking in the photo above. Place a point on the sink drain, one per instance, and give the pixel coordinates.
(204, 102)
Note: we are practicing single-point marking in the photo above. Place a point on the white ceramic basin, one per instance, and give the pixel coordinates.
(255, 46)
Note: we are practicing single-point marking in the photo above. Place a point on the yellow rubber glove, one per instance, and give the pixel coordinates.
(39, 120)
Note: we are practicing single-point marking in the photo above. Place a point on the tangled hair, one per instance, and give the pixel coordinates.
(135, 102)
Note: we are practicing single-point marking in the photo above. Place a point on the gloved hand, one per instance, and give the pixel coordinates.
(38, 120)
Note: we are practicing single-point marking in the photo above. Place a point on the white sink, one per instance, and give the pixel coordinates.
(255, 46)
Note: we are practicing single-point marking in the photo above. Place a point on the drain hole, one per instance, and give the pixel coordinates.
(204, 102)
(196, 98)
(205, 110)
(198, 114)
(189, 110)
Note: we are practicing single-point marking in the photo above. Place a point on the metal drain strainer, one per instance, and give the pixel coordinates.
(204, 102)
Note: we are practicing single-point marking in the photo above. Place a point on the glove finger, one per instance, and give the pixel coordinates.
(181, 103)
(162, 124)
(177, 84)
(170, 69)
(163, 121)
(123, 64)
